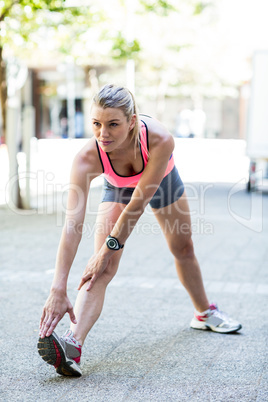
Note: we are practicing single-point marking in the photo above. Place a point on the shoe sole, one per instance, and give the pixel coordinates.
(52, 352)
(218, 330)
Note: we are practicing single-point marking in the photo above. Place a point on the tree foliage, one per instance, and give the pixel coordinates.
(26, 23)
(33, 28)
(175, 44)
(122, 49)
(159, 7)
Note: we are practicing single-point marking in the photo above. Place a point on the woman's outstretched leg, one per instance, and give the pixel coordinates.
(64, 352)
(88, 305)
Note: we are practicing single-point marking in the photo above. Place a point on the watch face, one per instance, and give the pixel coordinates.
(112, 243)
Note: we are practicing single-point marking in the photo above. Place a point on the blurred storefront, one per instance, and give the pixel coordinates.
(61, 101)
(61, 97)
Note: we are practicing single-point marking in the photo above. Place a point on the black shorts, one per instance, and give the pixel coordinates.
(170, 190)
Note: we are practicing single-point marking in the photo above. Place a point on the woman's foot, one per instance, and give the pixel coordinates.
(61, 354)
(215, 320)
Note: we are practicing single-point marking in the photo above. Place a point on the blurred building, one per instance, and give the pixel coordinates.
(61, 97)
(218, 118)
(58, 96)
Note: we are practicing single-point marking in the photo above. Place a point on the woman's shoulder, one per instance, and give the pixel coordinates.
(158, 134)
(87, 159)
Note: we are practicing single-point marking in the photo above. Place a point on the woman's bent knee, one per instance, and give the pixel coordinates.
(182, 250)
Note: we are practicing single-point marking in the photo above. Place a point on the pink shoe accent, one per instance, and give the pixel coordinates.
(205, 315)
(201, 317)
(58, 360)
(213, 307)
(77, 359)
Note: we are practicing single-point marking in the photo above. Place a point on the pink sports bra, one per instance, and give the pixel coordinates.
(118, 180)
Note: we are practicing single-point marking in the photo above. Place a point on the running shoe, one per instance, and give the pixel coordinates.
(215, 320)
(56, 351)
(73, 347)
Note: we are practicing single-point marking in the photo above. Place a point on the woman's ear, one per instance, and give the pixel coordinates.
(132, 121)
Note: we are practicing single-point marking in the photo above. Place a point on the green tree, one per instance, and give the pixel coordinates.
(86, 33)
(103, 32)
(178, 52)
(54, 30)
(27, 30)
(27, 24)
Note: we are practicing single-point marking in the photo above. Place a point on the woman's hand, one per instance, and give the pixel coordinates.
(55, 308)
(95, 267)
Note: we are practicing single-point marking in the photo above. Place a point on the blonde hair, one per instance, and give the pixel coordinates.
(119, 98)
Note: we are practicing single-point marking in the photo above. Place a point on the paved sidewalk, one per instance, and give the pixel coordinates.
(142, 348)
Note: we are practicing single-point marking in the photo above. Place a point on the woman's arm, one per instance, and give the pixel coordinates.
(161, 147)
(86, 166)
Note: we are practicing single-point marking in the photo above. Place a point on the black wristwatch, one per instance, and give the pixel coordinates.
(113, 244)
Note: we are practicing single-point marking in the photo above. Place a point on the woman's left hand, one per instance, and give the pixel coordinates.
(94, 269)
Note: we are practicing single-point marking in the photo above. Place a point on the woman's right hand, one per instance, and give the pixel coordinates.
(54, 309)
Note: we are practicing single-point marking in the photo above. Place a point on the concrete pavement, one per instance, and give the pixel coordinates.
(142, 348)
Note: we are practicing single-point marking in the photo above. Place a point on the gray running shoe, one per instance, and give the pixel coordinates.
(72, 346)
(53, 350)
(215, 320)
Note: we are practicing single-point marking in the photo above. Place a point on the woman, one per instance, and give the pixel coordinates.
(136, 159)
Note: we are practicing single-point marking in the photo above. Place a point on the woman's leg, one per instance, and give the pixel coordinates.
(175, 222)
(88, 305)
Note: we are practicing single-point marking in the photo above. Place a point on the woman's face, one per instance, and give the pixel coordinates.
(111, 128)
